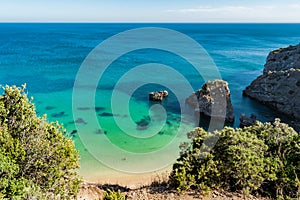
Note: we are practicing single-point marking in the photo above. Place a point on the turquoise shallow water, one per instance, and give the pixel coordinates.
(48, 56)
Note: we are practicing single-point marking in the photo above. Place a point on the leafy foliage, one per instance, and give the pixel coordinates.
(261, 158)
(113, 195)
(36, 160)
(284, 150)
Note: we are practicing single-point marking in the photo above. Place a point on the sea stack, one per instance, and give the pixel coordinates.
(213, 100)
(279, 85)
(158, 96)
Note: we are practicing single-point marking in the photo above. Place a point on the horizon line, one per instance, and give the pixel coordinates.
(148, 22)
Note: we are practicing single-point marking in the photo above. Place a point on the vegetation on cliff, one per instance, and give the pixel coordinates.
(36, 160)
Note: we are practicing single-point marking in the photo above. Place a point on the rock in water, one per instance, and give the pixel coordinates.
(279, 86)
(213, 100)
(165, 93)
(247, 121)
(158, 96)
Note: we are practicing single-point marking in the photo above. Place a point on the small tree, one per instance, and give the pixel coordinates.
(36, 160)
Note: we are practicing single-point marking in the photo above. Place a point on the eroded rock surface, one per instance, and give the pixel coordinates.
(158, 96)
(213, 100)
(279, 85)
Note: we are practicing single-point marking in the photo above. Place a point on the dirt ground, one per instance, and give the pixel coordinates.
(158, 192)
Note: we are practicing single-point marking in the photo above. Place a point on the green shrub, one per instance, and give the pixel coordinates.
(284, 150)
(194, 168)
(112, 195)
(263, 157)
(36, 160)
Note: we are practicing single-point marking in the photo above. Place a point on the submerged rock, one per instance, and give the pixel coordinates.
(161, 133)
(80, 121)
(50, 107)
(99, 131)
(83, 108)
(97, 109)
(213, 100)
(279, 86)
(158, 96)
(106, 114)
(143, 123)
(60, 114)
(73, 132)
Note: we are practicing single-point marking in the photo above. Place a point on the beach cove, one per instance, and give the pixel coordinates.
(48, 56)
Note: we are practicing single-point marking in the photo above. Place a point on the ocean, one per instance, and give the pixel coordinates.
(113, 124)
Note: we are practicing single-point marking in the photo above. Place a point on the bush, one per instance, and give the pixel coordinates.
(112, 195)
(261, 158)
(284, 150)
(36, 160)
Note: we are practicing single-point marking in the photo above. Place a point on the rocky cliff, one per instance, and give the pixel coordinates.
(279, 85)
(213, 100)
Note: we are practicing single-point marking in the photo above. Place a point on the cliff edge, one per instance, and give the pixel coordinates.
(279, 85)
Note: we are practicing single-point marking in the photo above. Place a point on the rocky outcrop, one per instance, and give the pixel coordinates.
(279, 85)
(247, 121)
(213, 100)
(158, 96)
(283, 59)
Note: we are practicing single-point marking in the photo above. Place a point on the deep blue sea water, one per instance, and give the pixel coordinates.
(48, 56)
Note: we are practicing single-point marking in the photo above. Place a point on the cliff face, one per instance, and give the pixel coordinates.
(279, 86)
(283, 59)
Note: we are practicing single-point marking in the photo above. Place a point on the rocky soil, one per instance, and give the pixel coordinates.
(279, 85)
(158, 192)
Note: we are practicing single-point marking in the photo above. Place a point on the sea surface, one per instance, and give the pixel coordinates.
(47, 58)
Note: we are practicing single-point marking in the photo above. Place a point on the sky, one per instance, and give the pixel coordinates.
(277, 11)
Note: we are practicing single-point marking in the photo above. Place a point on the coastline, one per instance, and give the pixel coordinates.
(132, 181)
(48, 88)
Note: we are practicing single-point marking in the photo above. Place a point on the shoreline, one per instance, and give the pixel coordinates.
(132, 181)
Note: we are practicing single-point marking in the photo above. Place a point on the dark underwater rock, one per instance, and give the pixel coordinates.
(98, 108)
(83, 108)
(80, 121)
(106, 114)
(50, 107)
(99, 131)
(57, 115)
(143, 123)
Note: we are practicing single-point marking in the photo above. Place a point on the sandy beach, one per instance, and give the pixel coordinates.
(129, 180)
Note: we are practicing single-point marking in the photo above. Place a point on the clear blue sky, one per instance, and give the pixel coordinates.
(149, 11)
